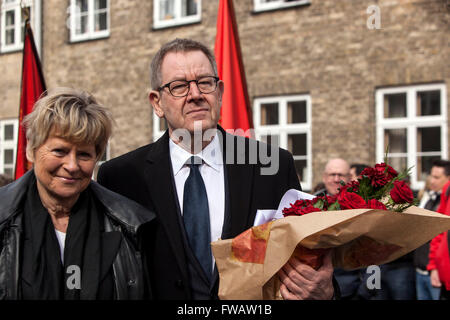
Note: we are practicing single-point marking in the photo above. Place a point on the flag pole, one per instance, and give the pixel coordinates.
(31, 87)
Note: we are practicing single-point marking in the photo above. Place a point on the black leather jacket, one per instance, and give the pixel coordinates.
(121, 214)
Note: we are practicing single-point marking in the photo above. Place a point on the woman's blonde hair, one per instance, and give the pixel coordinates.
(75, 115)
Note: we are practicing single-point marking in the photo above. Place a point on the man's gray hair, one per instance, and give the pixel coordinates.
(177, 45)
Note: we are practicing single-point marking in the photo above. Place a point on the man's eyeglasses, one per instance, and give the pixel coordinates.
(339, 175)
(180, 88)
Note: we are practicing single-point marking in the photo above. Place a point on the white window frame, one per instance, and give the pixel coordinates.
(91, 33)
(260, 6)
(35, 20)
(283, 129)
(10, 144)
(178, 19)
(411, 122)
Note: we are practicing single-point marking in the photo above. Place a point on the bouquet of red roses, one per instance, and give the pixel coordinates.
(380, 187)
(370, 221)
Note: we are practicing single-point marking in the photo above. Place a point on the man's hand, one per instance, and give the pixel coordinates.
(301, 282)
(434, 276)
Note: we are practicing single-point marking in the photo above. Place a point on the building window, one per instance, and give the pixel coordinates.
(286, 122)
(8, 146)
(89, 19)
(167, 13)
(13, 24)
(412, 124)
(159, 126)
(267, 5)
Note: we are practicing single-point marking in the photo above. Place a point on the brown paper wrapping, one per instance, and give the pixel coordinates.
(360, 238)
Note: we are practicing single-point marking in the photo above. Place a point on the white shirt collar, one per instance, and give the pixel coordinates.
(211, 155)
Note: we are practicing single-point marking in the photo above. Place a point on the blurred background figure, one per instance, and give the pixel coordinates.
(336, 170)
(355, 170)
(438, 258)
(5, 179)
(430, 199)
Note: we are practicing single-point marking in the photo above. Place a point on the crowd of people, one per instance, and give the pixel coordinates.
(144, 230)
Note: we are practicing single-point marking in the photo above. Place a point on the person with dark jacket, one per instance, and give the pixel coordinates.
(431, 199)
(63, 236)
(198, 189)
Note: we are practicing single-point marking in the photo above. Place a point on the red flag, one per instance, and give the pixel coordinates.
(235, 112)
(32, 87)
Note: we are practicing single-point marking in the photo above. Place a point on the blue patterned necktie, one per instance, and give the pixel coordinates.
(196, 216)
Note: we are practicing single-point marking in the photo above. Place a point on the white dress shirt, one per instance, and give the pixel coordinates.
(212, 172)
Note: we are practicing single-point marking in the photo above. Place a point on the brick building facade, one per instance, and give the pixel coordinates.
(329, 78)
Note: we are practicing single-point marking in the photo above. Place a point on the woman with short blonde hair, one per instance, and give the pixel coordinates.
(62, 235)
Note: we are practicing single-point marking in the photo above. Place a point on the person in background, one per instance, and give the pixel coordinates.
(431, 199)
(336, 170)
(62, 235)
(355, 170)
(439, 260)
(398, 280)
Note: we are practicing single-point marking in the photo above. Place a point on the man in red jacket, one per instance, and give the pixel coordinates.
(439, 258)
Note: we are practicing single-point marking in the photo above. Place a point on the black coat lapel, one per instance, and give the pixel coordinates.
(238, 186)
(158, 176)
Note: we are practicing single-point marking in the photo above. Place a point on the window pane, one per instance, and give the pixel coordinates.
(100, 21)
(166, 9)
(302, 169)
(188, 7)
(9, 132)
(9, 18)
(273, 140)
(399, 163)
(82, 6)
(8, 156)
(429, 139)
(100, 4)
(395, 105)
(428, 103)
(297, 144)
(424, 165)
(395, 139)
(296, 112)
(82, 25)
(269, 113)
(9, 36)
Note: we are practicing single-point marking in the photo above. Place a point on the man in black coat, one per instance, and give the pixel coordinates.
(238, 177)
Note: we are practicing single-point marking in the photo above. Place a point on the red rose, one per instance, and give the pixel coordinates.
(386, 169)
(352, 185)
(350, 200)
(306, 210)
(401, 193)
(380, 175)
(299, 208)
(375, 204)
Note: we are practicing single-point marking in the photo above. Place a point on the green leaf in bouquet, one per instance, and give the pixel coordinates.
(334, 206)
(319, 204)
(365, 188)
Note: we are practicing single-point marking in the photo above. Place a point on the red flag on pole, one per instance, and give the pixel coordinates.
(235, 112)
(32, 87)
